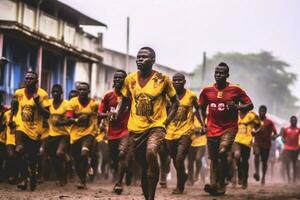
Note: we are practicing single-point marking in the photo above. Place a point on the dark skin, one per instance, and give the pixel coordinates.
(262, 115)
(2, 124)
(221, 75)
(145, 61)
(84, 99)
(30, 84)
(119, 78)
(293, 121)
(57, 100)
(179, 83)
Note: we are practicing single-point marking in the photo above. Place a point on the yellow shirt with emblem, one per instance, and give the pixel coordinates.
(56, 115)
(3, 115)
(198, 140)
(29, 121)
(182, 123)
(90, 110)
(246, 125)
(148, 107)
(10, 137)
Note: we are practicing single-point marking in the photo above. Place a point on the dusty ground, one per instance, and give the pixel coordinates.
(98, 190)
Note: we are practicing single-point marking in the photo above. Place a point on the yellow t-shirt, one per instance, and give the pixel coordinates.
(148, 105)
(90, 110)
(10, 137)
(246, 125)
(29, 121)
(3, 115)
(198, 140)
(58, 114)
(182, 123)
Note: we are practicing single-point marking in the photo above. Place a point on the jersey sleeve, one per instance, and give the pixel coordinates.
(243, 97)
(171, 92)
(125, 88)
(202, 101)
(45, 100)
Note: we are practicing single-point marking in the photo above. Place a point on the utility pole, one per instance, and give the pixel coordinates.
(127, 43)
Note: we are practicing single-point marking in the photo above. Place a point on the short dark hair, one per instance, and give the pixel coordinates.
(152, 52)
(121, 71)
(263, 107)
(179, 74)
(84, 83)
(294, 116)
(223, 64)
(32, 72)
(58, 86)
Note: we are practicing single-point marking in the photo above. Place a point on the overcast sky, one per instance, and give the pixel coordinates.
(180, 30)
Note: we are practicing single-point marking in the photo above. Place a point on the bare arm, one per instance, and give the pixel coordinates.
(173, 110)
(43, 111)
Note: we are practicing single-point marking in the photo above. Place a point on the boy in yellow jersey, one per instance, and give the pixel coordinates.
(82, 113)
(10, 149)
(31, 106)
(196, 152)
(148, 118)
(179, 131)
(57, 143)
(248, 124)
(3, 109)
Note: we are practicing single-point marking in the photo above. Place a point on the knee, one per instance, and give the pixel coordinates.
(179, 158)
(85, 151)
(237, 155)
(222, 151)
(151, 155)
(122, 155)
(19, 149)
(60, 153)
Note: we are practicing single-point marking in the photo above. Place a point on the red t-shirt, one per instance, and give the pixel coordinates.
(264, 137)
(220, 119)
(117, 129)
(291, 136)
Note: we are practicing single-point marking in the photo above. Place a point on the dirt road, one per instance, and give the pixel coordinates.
(102, 191)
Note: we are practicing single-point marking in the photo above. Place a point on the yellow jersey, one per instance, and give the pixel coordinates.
(148, 105)
(198, 140)
(58, 114)
(29, 121)
(182, 123)
(246, 125)
(90, 111)
(10, 137)
(3, 121)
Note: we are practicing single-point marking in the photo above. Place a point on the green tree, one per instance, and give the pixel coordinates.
(263, 76)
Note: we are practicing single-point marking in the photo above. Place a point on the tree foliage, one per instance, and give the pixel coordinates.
(263, 76)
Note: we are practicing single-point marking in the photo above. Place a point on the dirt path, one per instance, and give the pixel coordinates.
(100, 191)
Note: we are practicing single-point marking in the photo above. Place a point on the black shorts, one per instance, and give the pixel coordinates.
(84, 142)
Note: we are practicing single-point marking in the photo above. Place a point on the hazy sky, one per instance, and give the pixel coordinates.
(180, 30)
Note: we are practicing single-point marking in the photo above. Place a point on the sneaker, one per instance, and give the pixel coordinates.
(32, 183)
(177, 191)
(118, 189)
(210, 190)
(81, 185)
(163, 184)
(244, 186)
(256, 176)
(22, 185)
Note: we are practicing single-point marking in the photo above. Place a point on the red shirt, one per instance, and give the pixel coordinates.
(220, 119)
(117, 129)
(291, 136)
(264, 137)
